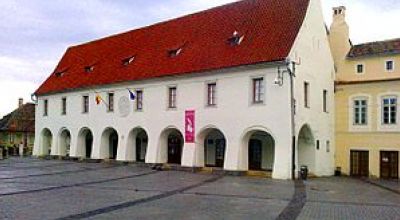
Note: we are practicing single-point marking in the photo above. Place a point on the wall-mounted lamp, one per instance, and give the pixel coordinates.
(34, 98)
(279, 78)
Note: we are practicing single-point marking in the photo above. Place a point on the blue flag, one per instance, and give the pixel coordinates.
(132, 95)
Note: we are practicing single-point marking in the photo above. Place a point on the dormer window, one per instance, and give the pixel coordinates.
(236, 39)
(89, 69)
(59, 74)
(128, 60)
(175, 52)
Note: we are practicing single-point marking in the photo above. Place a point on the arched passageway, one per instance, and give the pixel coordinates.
(109, 143)
(306, 148)
(258, 150)
(175, 146)
(261, 147)
(85, 142)
(137, 143)
(171, 146)
(214, 144)
(64, 142)
(46, 139)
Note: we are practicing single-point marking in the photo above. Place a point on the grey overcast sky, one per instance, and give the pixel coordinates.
(35, 33)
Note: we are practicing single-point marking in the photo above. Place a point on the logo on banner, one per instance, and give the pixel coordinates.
(189, 126)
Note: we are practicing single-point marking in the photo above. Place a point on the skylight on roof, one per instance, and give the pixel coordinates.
(175, 52)
(128, 60)
(89, 69)
(235, 39)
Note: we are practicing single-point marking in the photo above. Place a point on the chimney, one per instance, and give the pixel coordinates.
(339, 37)
(20, 102)
(339, 13)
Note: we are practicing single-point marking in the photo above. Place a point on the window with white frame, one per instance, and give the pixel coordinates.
(64, 106)
(389, 65)
(325, 100)
(45, 107)
(306, 94)
(360, 68)
(328, 146)
(110, 102)
(211, 94)
(172, 97)
(258, 90)
(85, 104)
(139, 100)
(389, 110)
(360, 107)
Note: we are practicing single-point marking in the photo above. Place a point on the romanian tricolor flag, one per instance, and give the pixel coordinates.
(132, 95)
(98, 99)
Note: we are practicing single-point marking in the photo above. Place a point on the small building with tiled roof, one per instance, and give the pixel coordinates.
(18, 127)
(367, 103)
(241, 87)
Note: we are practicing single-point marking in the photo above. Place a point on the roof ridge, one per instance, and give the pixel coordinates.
(377, 41)
(208, 31)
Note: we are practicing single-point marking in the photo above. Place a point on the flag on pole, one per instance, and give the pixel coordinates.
(132, 95)
(98, 99)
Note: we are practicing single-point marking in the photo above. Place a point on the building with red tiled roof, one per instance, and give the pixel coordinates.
(18, 127)
(237, 87)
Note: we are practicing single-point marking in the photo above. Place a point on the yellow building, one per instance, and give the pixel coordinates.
(367, 96)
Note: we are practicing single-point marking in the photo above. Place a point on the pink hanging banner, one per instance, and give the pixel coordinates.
(189, 126)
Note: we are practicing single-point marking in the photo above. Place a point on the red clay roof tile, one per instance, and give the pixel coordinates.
(387, 47)
(269, 27)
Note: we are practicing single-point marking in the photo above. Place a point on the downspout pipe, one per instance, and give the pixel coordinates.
(291, 68)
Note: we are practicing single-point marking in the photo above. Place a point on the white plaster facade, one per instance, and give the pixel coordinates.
(235, 116)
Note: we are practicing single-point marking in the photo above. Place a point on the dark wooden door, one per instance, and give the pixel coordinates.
(88, 145)
(219, 152)
(359, 163)
(174, 149)
(140, 149)
(389, 164)
(113, 145)
(255, 154)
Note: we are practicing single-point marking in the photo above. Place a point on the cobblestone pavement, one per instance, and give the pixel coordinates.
(53, 189)
(347, 198)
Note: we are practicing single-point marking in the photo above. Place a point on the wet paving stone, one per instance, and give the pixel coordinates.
(53, 189)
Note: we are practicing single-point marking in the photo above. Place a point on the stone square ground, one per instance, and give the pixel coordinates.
(55, 189)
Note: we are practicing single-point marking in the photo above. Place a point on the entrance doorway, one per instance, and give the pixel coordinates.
(255, 153)
(46, 140)
(359, 163)
(64, 142)
(175, 142)
(109, 144)
(88, 144)
(85, 142)
(306, 148)
(261, 151)
(389, 164)
(141, 146)
(214, 148)
(113, 145)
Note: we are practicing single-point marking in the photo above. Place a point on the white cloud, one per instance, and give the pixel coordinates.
(369, 20)
(11, 91)
(24, 69)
